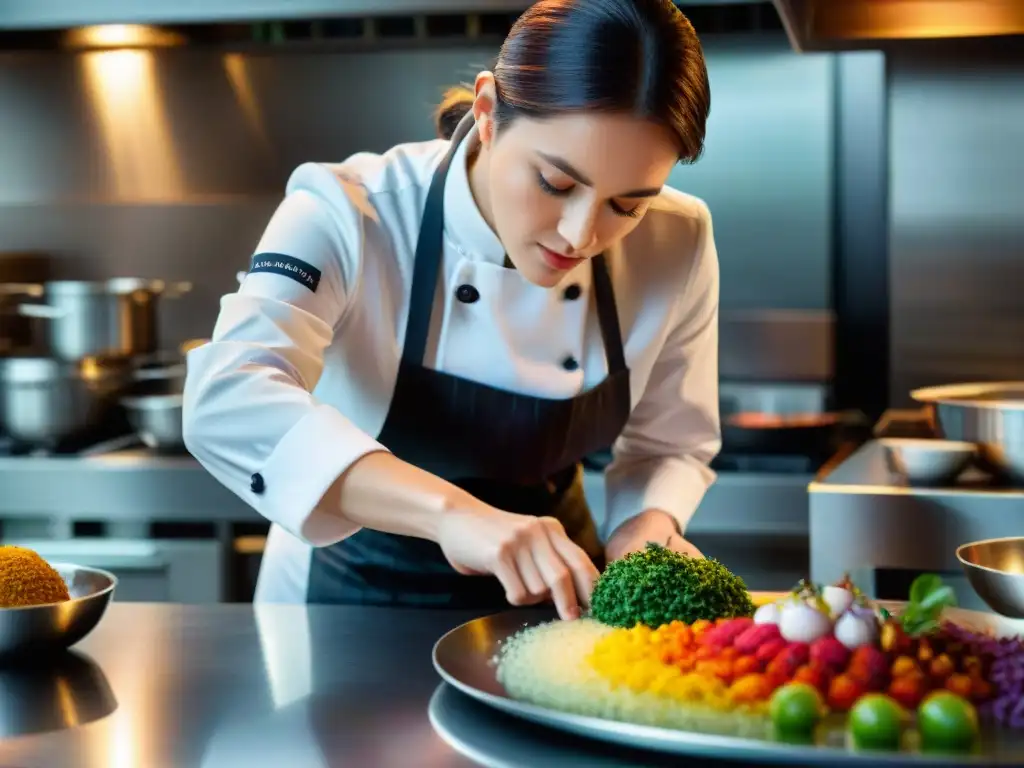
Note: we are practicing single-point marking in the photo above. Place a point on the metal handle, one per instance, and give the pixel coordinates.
(21, 289)
(41, 310)
(113, 445)
(167, 371)
(176, 290)
(148, 288)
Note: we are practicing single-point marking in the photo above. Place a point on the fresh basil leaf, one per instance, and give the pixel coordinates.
(923, 585)
(935, 601)
(911, 612)
(922, 627)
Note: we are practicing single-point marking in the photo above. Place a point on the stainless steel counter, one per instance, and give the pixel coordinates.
(754, 522)
(867, 521)
(136, 485)
(169, 686)
(126, 485)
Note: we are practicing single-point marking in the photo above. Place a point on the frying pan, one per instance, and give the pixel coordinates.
(817, 435)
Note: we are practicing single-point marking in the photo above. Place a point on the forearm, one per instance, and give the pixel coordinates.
(650, 525)
(671, 485)
(384, 493)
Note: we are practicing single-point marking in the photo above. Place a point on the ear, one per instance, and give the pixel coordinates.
(483, 106)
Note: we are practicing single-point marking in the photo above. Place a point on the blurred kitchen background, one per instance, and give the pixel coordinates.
(866, 183)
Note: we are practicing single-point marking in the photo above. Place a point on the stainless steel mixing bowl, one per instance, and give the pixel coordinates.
(39, 629)
(990, 415)
(995, 569)
(52, 693)
(928, 462)
(157, 420)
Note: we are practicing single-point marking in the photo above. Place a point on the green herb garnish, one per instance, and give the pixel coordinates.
(928, 598)
(657, 585)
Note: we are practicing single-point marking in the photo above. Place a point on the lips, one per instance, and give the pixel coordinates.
(557, 261)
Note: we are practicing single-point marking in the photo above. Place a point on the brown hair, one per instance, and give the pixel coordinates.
(455, 104)
(636, 56)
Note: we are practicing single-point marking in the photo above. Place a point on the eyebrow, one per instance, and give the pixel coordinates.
(566, 168)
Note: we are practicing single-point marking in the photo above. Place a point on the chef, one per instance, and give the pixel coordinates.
(429, 340)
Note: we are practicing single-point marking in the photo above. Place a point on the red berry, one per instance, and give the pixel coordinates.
(756, 636)
(843, 691)
(796, 654)
(725, 634)
(829, 652)
(770, 650)
(908, 690)
(870, 666)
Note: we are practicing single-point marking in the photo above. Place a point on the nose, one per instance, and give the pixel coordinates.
(577, 226)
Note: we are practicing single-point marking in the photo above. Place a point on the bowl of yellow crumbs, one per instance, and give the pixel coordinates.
(47, 607)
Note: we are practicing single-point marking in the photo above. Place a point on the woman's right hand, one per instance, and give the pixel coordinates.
(532, 557)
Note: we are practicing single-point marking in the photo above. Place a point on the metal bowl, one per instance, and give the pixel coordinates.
(991, 415)
(928, 462)
(157, 420)
(65, 691)
(39, 629)
(44, 401)
(995, 570)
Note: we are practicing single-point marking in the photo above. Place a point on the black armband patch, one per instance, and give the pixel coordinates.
(286, 266)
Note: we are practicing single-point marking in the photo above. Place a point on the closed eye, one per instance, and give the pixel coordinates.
(631, 213)
(551, 189)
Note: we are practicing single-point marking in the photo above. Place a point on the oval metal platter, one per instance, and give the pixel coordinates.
(465, 659)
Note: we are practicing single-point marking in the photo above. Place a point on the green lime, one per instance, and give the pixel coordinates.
(796, 738)
(876, 722)
(947, 722)
(796, 708)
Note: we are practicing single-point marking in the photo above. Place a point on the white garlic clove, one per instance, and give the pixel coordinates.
(801, 623)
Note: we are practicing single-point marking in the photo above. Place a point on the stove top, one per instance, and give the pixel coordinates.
(117, 437)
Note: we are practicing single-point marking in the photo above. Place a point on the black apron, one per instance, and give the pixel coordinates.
(513, 451)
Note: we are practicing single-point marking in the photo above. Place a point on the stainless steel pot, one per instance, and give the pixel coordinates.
(45, 401)
(14, 331)
(990, 415)
(109, 318)
(157, 420)
(158, 378)
(18, 332)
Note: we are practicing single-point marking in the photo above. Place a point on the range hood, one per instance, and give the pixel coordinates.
(64, 14)
(829, 25)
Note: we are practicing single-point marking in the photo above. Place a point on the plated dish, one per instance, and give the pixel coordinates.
(677, 655)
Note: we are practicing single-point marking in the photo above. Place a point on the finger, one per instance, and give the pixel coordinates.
(532, 579)
(679, 544)
(584, 572)
(557, 575)
(691, 550)
(581, 567)
(515, 591)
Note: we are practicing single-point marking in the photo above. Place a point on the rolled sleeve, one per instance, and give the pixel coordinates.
(296, 479)
(661, 460)
(249, 415)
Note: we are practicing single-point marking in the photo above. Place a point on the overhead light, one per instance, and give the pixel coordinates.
(113, 36)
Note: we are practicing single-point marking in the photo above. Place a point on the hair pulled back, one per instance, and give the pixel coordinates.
(641, 57)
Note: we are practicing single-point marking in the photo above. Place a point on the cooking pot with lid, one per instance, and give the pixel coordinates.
(107, 318)
(44, 401)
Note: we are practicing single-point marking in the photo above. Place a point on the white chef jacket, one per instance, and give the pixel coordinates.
(295, 383)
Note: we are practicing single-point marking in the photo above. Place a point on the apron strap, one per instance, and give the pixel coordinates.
(608, 315)
(429, 246)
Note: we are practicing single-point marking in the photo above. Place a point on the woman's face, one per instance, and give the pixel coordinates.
(563, 189)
